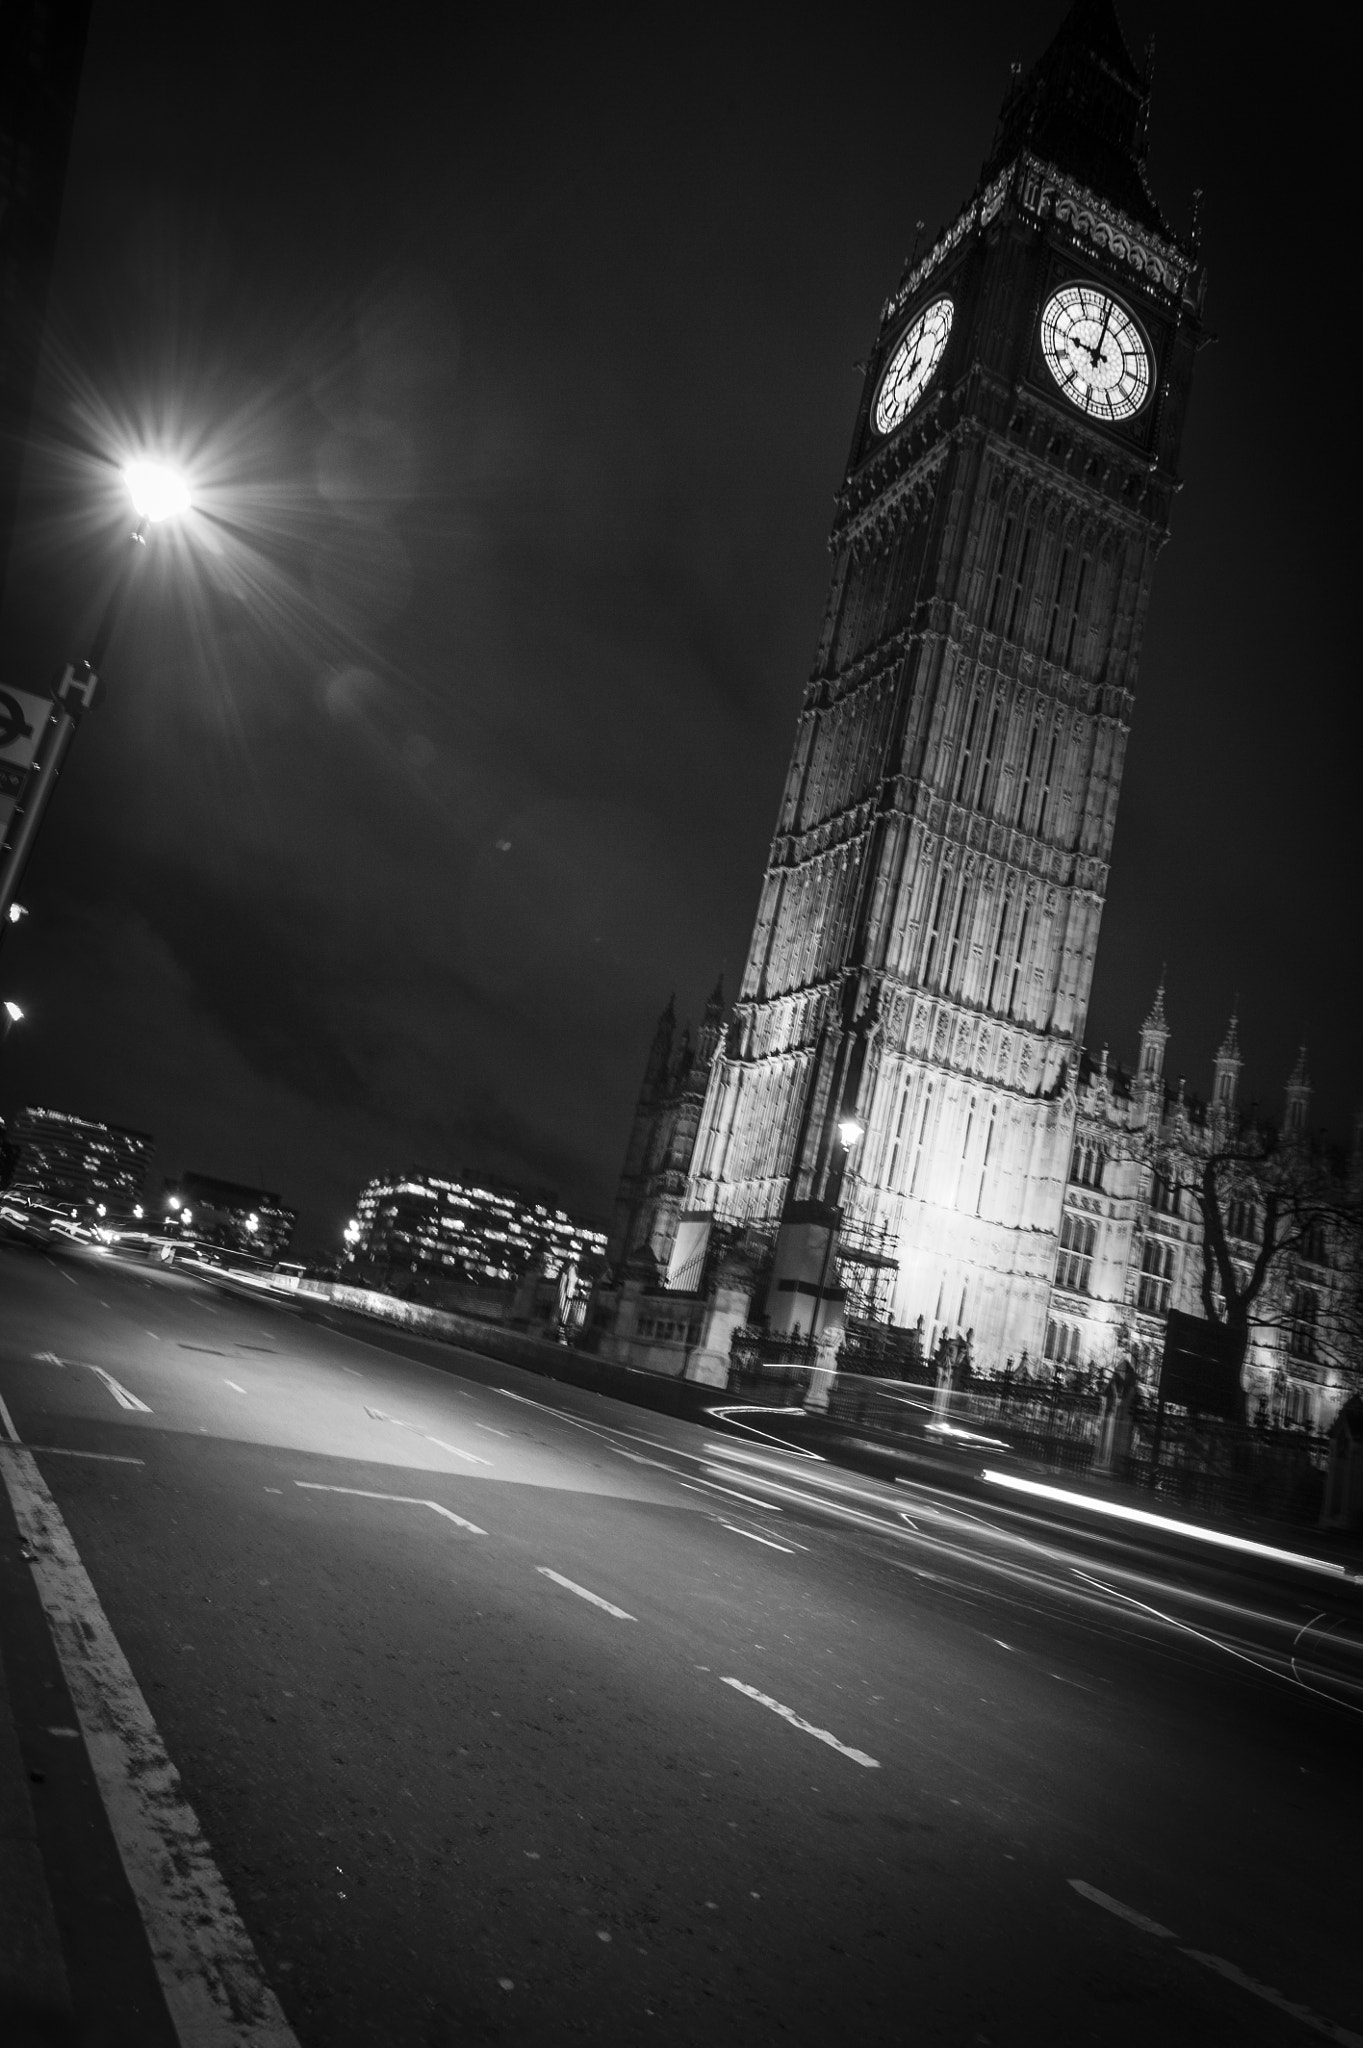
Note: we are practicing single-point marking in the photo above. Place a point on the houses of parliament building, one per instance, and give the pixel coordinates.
(902, 1084)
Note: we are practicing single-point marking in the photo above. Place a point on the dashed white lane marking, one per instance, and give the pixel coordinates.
(118, 1390)
(407, 1500)
(1318, 2025)
(1111, 1905)
(490, 1430)
(753, 1537)
(1310, 2019)
(469, 1457)
(104, 1457)
(210, 1975)
(47, 1358)
(768, 1507)
(233, 1385)
(584, 1593)
(857, 1756)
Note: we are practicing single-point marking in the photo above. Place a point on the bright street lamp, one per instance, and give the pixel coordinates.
(14, 1013)
(158, 492)
(850, 1131)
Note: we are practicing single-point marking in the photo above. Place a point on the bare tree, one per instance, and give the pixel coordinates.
(1279, 1218)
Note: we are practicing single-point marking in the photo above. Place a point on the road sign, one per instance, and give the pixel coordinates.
(23, 715)
(1201, 1366)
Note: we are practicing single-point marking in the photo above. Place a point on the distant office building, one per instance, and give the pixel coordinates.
(227, 1214)
(413, 1224)
(42, 49)
(75, 1163)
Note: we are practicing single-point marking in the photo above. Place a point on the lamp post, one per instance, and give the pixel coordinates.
(157, 493)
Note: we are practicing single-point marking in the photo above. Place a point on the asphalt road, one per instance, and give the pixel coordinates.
(511, 1713)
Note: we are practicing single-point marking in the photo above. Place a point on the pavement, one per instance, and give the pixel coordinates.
(360, 1689)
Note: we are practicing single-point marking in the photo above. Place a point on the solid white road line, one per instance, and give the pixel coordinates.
(1318, 2025)
(753, 1537)
(406, 1500)
(8, 1420)
(119, 1392)
(571, 1586)
(210, 1974)
(233, 1385)
(857, 1756)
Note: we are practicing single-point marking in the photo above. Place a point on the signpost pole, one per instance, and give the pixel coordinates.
(74, 694)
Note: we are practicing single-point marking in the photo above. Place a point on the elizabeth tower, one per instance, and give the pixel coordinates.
(926, 934)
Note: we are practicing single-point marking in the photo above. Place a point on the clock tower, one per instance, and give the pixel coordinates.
(919, 972)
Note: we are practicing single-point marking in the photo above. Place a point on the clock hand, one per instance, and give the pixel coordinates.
(1097, 350)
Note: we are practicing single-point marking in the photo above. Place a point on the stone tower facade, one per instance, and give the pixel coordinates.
(662, 1137)
(928, 922)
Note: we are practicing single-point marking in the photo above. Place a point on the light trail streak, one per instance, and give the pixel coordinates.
(1216, 1642)
(1145, 1519)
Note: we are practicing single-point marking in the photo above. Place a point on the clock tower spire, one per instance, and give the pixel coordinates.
(927, 927)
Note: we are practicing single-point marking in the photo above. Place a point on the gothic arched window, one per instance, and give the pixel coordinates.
(1078, 1237)
(1157, 1277)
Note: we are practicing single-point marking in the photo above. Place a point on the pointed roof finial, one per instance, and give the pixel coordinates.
(1299, 1077)
(1229, 1048)
(1157, 1021)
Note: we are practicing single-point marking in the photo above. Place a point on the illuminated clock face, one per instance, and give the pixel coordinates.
(911, 366)
(1095, 352)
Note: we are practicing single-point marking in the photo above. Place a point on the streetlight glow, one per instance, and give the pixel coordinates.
(158, 492)
(849, 1130)
(14, 1013)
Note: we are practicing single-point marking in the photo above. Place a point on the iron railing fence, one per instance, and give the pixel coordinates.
(883, 1384)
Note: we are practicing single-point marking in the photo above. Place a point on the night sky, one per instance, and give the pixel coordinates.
(512, 355)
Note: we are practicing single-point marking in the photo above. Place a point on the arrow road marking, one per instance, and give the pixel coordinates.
(406, 1500)
(857, 1756)
(583, 1593)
